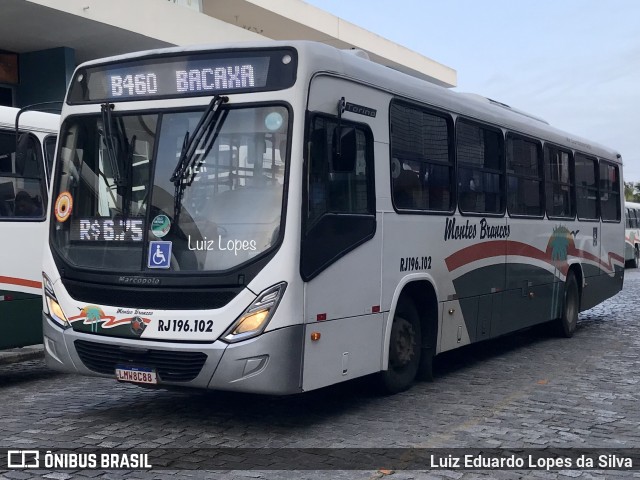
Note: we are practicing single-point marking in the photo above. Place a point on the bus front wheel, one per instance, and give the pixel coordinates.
(404, 349)
(569, 319)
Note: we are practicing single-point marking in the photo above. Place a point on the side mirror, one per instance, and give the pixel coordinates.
(344, 150)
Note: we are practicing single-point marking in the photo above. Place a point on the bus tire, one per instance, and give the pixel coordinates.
(567, 322)
(404, 349)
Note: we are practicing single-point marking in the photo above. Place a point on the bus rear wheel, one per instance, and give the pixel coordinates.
(404, 349)
(566, 324)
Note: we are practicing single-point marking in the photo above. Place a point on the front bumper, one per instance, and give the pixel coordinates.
(270, 363)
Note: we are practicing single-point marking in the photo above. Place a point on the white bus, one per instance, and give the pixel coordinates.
(24, 180)
(632, 235)
(282, 216)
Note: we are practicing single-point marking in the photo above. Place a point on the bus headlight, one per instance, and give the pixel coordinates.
(256, 317)
(50, 305)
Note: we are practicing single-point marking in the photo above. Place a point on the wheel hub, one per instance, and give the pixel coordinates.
(403, 343)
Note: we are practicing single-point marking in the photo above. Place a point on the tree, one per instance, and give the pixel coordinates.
(632, 192)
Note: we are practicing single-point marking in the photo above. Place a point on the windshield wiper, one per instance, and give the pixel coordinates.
(111, 143)
(191, 156)
(128, 192)
(120, 155)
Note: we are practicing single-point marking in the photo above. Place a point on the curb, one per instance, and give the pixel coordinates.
(16, 355)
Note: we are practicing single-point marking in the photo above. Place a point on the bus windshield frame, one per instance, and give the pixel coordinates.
(252, 137)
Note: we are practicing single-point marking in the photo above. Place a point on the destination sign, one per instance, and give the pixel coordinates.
(190, 74)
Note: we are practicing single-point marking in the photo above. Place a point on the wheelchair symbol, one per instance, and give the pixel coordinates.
(159, 254)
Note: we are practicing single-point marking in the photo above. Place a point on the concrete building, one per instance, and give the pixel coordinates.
(42, 41)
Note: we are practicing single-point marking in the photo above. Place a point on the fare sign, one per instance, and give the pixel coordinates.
(106, 229)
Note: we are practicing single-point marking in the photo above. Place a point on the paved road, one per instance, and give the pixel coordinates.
(528, 390)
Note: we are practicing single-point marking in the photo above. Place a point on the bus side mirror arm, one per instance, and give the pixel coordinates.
(344, 146)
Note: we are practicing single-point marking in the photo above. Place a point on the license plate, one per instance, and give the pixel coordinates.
(136, 374)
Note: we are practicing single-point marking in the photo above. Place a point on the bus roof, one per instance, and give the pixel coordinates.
(30, 120)
(318, 57)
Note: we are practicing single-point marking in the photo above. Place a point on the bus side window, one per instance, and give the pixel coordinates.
(21, 178)
(338, 185)
(586, 171)
(559, 183)
(609, 191)
(422, 167)
(480, 168)
(524, 176)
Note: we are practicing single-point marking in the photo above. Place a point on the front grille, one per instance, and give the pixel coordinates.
(171, 366)
(149, 298)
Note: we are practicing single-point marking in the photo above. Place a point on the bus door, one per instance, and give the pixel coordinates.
(341, 246)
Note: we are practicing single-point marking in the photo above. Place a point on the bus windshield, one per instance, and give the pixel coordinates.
(117, 206)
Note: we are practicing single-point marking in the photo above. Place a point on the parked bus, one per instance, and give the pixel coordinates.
(24, 181)
(281, 217)
(632, 235)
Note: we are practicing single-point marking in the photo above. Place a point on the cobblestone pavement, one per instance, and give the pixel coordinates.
(527, 390)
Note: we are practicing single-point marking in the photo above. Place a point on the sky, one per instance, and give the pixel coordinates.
(575, 63)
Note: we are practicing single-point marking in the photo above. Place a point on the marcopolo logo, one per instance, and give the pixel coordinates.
(135, 280)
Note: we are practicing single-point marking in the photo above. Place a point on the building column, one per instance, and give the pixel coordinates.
(44, 75)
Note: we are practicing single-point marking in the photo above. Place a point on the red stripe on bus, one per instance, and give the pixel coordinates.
(476, 252)
(500, 248)
(20, 281)
(589, 256)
